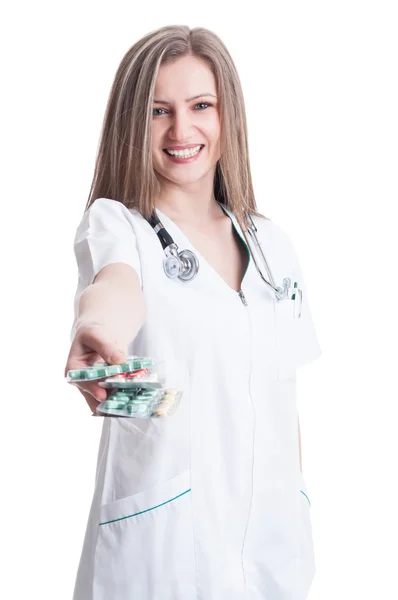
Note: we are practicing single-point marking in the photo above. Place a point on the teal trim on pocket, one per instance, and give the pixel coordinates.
(146, 510)
(306, 497)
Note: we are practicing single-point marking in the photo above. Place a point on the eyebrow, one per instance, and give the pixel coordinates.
(187, 100)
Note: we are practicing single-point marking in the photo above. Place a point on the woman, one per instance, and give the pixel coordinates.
(210, 503)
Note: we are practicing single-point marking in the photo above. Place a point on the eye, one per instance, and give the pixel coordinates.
(205, 104)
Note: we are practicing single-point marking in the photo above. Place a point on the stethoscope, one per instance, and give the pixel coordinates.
(184, 265)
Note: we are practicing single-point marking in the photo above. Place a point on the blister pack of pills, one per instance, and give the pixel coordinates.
(147, 377)
(141, 404)
(137, 388)
(101, 370)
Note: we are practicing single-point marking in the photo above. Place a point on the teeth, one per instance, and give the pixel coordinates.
(184, 153)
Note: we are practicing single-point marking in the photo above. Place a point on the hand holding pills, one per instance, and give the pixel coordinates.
(136, 389)
(93, 343)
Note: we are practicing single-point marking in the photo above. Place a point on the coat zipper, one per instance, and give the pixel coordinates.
(242, 297)
(244, 302)
(240, 292)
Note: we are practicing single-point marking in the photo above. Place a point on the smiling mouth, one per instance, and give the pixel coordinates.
(201, 146)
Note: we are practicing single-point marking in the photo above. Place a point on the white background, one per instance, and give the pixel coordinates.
(320, 84)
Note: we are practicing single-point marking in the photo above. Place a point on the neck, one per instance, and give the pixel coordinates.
(191, 203)
(189, 207)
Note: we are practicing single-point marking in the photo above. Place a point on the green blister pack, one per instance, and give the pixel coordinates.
(102, 370)
(160, 403)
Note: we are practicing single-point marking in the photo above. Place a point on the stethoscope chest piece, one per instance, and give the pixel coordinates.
(185, 266)
(182, 264)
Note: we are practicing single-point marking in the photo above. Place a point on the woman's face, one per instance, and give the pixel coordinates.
(180, 121)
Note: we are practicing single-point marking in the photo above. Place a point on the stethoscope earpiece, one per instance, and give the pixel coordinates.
(283, 292)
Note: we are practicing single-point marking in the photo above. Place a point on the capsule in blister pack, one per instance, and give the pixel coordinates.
(143, 379)
(102, 370)
(168, 403)
(141, 404)
(129, 404)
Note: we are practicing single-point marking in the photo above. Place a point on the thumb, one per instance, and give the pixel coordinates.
(98, 341)
(117, 356)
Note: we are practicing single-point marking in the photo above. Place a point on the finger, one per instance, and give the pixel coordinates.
(93, 389)
(91, 401)
(94, 338)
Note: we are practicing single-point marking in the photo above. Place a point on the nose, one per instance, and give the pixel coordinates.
(181, 126)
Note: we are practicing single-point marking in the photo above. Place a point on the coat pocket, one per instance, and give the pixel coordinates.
(145, 545)
(297, 341)
(294, 577)
(307, 558)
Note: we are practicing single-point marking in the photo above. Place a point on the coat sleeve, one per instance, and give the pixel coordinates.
(104, 236)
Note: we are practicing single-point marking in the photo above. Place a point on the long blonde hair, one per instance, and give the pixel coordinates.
(123, 168)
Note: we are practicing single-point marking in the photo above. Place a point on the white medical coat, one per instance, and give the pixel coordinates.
(210, 503)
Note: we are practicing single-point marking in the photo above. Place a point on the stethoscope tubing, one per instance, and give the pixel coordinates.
(252, 230)
(190, 263)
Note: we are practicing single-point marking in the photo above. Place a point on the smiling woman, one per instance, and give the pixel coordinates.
(185, 139)
(207, 504)
(186, 94)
